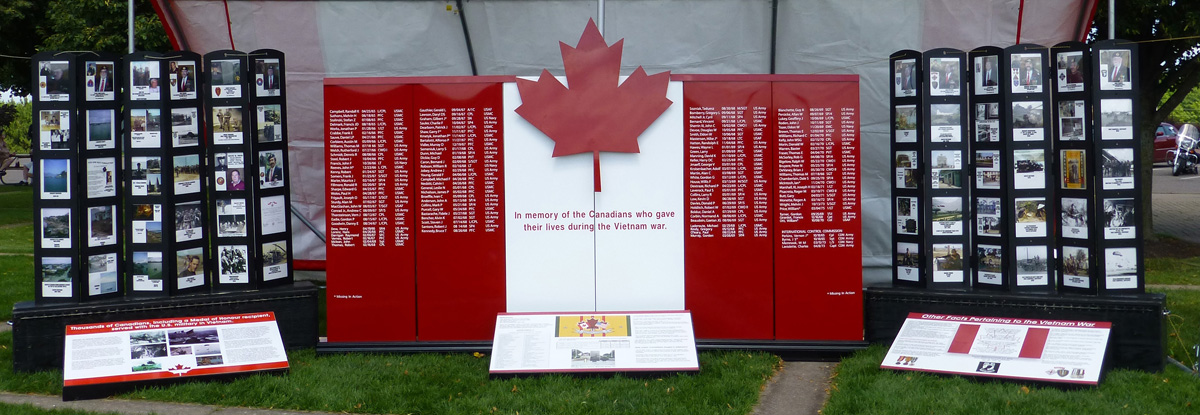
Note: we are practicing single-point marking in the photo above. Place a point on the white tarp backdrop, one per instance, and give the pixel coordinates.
(520, 37)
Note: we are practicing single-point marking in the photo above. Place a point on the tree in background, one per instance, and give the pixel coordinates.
(31, 26)
(1188, 111)
(1168, 70)
(15, 119)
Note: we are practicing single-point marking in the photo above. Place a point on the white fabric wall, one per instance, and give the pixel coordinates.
(519, 37)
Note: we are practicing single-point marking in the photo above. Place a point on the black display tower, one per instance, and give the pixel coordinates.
(230, 211)
(908, 268)
(943, 158)
(989, 184)
(55, 157)
(99, 174)
(1028, 239)
(1118, 158)
(272, 190)
(1074, 172)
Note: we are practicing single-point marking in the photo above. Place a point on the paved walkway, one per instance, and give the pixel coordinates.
(1176, 205)
(138, 407)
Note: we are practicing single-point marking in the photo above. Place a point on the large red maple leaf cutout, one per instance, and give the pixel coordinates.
(597, 112)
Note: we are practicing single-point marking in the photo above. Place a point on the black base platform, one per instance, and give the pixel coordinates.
(787, 350)
(1137, 340)
(39, 331)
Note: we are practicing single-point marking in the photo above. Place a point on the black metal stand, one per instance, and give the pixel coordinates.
(39, 331)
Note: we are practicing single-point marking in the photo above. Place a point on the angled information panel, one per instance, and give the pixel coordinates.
(1001, 347)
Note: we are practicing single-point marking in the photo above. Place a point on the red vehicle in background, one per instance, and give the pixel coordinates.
(1165, 139)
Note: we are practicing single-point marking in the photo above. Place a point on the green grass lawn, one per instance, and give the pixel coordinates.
(16, 205)
(10, 409)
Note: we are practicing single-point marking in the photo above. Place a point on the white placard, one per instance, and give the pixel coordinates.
(131, 351)
(1001, 347)
(594, 342)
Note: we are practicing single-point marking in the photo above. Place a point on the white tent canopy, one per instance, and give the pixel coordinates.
(520, 37)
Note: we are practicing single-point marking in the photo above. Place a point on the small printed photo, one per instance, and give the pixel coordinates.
(227, 120)
(1071, 116)
(192, 336)
(56, 228)
(231, 218)
(989, 258)
(987, 216)
(226, 81)
(987, 75)
(188, 221)
(1119, 219)
(190, 263)
(944, 77)
(907, 171)
(268, 77)
(145, 128)
(1030, 169)
(906, 77)
(149, 264)
(56, 179)
(908, 255)
(947, 257)
(1070, 71)
(1075, 261)
(102, 274)
(233, 264)
(1028, 121)
(270, 174)
(593, 358)
(101, 226)
(148, 351)
(1073, 168)
(100, 128)
(187, 174)
(1117, 170)
(207, 349)
(180, 350)
(1114, 70)
(56, 269)
(1074, 218)
(1032, 259)
(144, 81)
(947, 215)
(275, 257)
(98, 84)
(54, 81)
(209, 360)
(1116, 119)
(945, 123)
(146, 366)
(54, 129)
(907, 214)
(99, 177)
(183, 79)
(270, 123)
(1026, 72)
(987, 122)
(184, 129)
(1120, 268)
(147, 337)
(947, 169)
(1031, 210)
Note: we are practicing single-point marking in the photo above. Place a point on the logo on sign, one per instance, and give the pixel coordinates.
(179, 369)
(988, 367)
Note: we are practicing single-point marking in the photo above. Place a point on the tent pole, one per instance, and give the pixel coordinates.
(774, 31)
(130, 26)
(1112, 19)
(462, 18)
(600, 16)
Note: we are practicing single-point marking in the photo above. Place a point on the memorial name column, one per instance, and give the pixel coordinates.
(460, 265)
(818, 226)
(727, 137)
(371, 257)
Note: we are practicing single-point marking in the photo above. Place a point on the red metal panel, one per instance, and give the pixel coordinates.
(369, 197)
(460, 201)
(818, 228)
(728, 270)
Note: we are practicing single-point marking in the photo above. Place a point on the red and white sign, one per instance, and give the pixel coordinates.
(140, 350)
(1002, 347)
(594, 342)
(452, 199)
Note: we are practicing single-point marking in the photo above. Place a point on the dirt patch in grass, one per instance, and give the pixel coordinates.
(1163, 246)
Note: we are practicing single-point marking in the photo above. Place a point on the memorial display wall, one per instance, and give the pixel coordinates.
(56, 157)
(446, 208)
